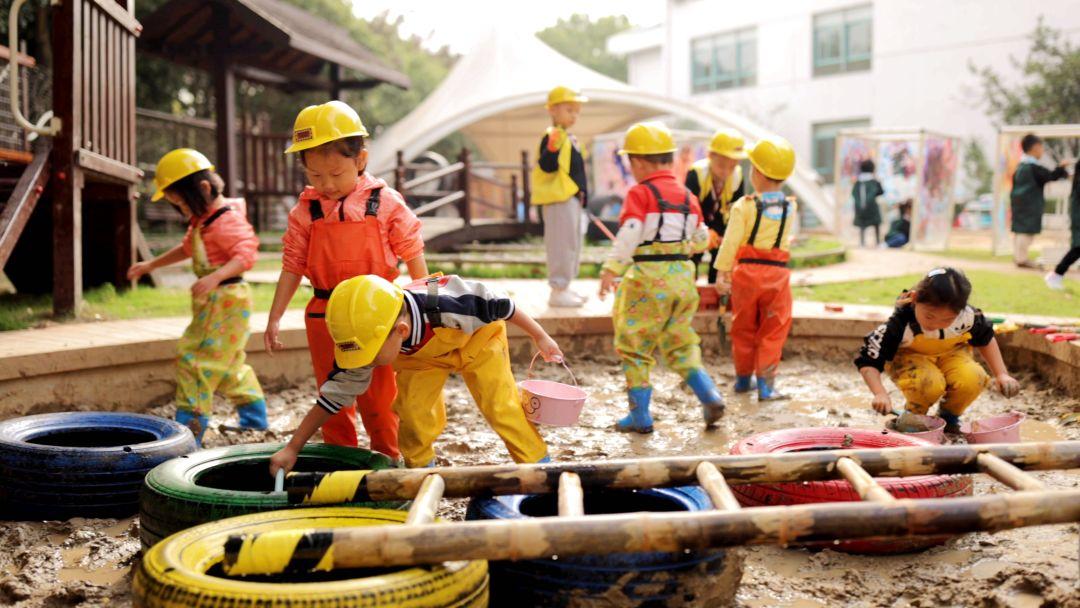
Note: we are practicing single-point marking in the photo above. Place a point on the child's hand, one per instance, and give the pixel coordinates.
(1008, 385)
(270, 337)
(549, 350)
(139, 269)
(714, 239)
(205, 285)
(607, 283)
(723, 283)
(285, 458)
(882, 403)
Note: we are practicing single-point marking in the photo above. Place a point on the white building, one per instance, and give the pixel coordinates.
(808, 68)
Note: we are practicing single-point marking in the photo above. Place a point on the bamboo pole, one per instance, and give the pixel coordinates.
(718, 490)
(571, 496)
(543, 537)
(427, 500)
(461, 482)
(1007, 473)
(864, 484)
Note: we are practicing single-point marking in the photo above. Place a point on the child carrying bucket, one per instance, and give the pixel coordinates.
(221, 245)
(346, 223)
(925, 347)
(427, 331)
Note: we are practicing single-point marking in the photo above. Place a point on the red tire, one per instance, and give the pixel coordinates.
(799, 493)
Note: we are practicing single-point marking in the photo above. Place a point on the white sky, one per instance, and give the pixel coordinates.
(457, 23)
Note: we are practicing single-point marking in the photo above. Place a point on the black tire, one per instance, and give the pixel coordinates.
(225, 482)
(82, 464)
(698, 578)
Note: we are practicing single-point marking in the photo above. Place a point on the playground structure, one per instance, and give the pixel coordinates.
(1008, 157)
(911, 164)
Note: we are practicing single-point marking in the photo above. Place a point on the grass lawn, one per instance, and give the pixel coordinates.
(984, 255)
(104, 303)
(992, 291)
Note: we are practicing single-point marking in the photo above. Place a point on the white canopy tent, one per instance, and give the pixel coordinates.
(495, 95)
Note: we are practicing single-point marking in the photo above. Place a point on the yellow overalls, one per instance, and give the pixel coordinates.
(930, 368)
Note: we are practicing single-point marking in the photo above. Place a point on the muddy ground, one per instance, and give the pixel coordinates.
(88, 562)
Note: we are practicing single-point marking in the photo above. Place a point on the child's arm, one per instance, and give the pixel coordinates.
(172, 256)
(881, 402)
(286, 288)
(544, 343)
(285, 458)
(1008, 385)
(417, 267)
(733, 239)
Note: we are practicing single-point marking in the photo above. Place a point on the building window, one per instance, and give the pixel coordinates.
(724, 61)
(843, 40)
(824, 144)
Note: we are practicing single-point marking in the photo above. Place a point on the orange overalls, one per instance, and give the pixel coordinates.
(760, 302)
(338, 251)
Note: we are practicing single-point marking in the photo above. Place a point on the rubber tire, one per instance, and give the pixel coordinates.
(173, 573)
(42, 482)
(708, 578)
(171, 500)
(839, 490)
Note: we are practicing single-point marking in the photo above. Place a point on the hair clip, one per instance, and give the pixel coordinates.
(935, 272)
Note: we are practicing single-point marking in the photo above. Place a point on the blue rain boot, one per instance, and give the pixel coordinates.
(196, 422)
(639, 420)
(712, 403)
(743, 384)
(952, 421)
(253, 415)
(766, 391)
(545, 460)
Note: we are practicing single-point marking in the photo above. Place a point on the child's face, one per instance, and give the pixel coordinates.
(565, 114)
(332, 174)
(933, 318)
(1036, 150)
(392, 347)
(177, 201)
(721, 166)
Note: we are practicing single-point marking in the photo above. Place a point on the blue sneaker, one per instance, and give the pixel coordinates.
(743, 384)
(766, 391)
(952, 421)
(712, 403)
(196, 422)
(639, 420)
(253, 415)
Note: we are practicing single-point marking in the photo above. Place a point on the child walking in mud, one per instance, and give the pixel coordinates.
(925, 347)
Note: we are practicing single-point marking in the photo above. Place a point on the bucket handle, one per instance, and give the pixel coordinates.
(561, 362)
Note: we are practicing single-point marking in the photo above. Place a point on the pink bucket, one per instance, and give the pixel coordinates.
(936, 434)
(551, 403)
(995, 429)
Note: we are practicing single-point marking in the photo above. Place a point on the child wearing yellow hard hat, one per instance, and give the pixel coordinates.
(427, 330)
(659, 229)
(560, 188)
(717, 182)
(346, 223)
(221, 245)
(753, 262)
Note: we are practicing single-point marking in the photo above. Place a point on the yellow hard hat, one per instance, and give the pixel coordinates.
(563, 95)
(316, 125)
(774, 157)
(727, 142)
(648, 138)
(360, 314)
(175, 166)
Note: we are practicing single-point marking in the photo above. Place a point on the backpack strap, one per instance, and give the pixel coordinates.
(215, 216)
(783, 221)
(372, 209)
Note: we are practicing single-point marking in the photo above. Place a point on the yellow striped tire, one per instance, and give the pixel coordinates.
(184, 570)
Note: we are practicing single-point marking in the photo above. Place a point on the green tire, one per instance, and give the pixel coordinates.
(209, 485)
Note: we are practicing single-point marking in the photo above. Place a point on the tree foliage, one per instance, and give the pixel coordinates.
(979, 175)
(585, 41)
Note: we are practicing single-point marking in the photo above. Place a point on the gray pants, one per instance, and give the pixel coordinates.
(563, 239)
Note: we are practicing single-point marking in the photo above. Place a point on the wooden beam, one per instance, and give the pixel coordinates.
(1007, 473)
(65, 176)
(427, 500)
(120, 15)
(864, 484)
(432, 176)
(22, 58)
(718, 490)
(335, 81)
(28, 190)
(438, 204)
(571, 496)
(224, 102)
(108, 168)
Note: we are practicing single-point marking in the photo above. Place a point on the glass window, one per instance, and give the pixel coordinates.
(724, 61)
(843, 40)
(823, 151)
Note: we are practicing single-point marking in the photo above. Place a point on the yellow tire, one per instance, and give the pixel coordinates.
(184, 570)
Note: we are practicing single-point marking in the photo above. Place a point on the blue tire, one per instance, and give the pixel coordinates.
(698, 578)
(82, 464)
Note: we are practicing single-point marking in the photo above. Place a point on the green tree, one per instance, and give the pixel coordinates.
(585, 41)
(979, 175)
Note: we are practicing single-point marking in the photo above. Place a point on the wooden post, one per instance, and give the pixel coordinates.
(335, 81)
(225, 102)
(526, 187)
(463, 185)
(399, 173)
(66, 180)
(426, 502)
(1008, 474)
(863, 483)
(513, 196)
(125, 227)
(571, 496)
(718, 490)
(543, 537)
